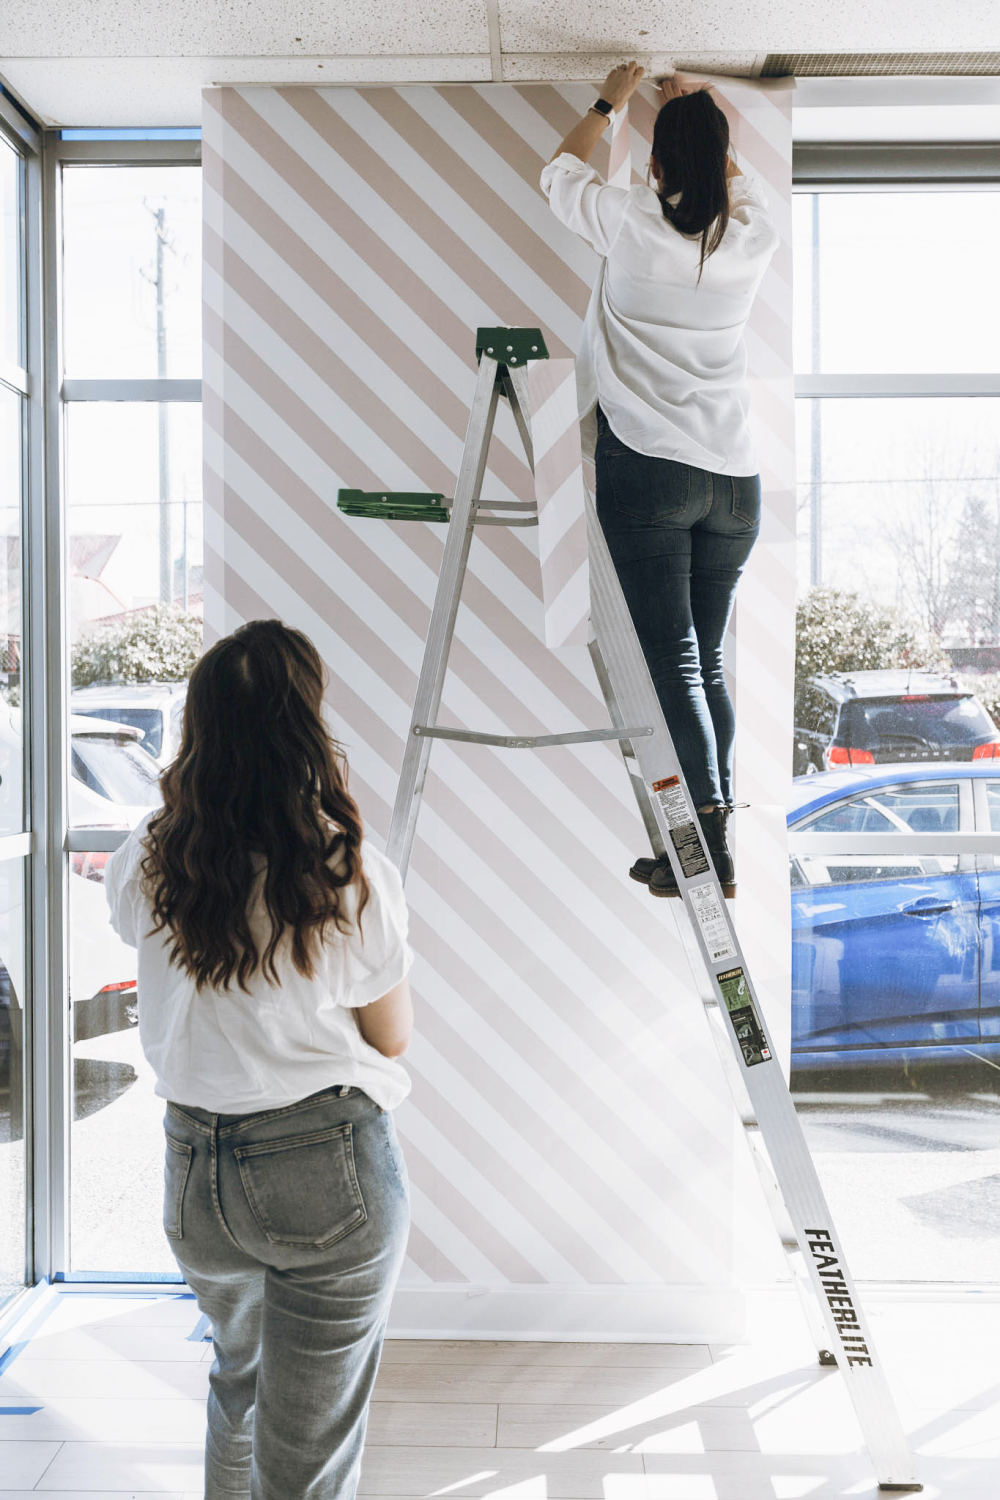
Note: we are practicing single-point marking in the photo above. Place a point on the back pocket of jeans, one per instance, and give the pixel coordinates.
(303, 1190)
(746, 498)
(646, 489)
(175, 1176)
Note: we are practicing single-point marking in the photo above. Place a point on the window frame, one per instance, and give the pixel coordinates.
(870, 166)
(52, 1239)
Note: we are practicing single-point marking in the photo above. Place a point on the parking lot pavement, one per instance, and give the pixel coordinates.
(912, 1175)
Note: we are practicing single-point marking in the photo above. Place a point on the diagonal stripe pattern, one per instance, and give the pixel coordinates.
(567, 1124)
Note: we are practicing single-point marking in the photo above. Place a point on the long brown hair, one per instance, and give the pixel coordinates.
(690, 147)
(257, 772)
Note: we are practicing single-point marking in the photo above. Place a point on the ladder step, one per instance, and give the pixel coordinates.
(525, 741)
(389, 505)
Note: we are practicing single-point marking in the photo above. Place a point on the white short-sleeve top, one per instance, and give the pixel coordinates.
(664, 355)
(237, 1053)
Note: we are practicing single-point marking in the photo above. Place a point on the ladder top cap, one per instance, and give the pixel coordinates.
(510, 346)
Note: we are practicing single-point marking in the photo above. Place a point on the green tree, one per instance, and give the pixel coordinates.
(837, 631)
(158, 645)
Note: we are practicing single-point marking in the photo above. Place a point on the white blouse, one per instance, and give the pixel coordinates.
(236, 1053)
(665, 356)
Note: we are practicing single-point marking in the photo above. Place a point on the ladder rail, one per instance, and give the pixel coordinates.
(766, 1110)
(441, 630)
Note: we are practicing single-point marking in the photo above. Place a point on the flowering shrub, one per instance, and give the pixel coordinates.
(160, 644)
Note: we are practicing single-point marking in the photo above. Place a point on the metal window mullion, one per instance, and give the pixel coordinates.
(131, 390)
(128, 153)
(47, 739)
(862, 844)
(853, 385)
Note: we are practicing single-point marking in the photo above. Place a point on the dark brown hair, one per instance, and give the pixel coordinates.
(690, 146)
(257, 772)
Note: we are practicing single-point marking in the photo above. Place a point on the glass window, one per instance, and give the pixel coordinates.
(11, 260)
(889, 297)
(117, 1131)
(12, 1080)
(993, 803)
(132, 272)
(905, 494)
(133, 483)
(11, 741)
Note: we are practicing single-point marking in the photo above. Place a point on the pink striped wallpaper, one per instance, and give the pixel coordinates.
(568, 1128)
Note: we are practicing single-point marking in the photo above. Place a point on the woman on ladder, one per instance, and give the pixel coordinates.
(661, 367)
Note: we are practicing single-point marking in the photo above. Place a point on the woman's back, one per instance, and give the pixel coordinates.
(234, 1050)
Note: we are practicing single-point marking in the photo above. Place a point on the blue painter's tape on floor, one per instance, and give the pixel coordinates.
(201, 1330)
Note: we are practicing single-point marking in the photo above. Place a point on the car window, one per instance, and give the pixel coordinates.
(116, 768)
(993, 803)
(916, 721)
(148, 720)
(910, 807)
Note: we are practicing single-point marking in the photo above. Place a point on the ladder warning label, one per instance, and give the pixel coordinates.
(744, 1017)
(683, 835)
(713, 924)
(673, 803)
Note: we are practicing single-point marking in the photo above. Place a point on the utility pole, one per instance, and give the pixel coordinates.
(166, 582)
(815, 429)
(162, 243)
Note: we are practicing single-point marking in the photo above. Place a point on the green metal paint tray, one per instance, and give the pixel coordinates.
(511, 346)
(389, 505)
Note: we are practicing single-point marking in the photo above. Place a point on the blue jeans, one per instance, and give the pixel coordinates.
(290, 1227)
(679, 538)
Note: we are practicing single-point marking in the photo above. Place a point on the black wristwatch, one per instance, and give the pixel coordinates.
(604, 108)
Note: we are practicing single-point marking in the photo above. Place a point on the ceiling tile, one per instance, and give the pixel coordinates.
(768, 25)
(239, 28)
(105, 92)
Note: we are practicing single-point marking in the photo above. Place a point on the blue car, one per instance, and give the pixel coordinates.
(895, 956)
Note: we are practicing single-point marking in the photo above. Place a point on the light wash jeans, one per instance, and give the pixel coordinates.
(290, 1227)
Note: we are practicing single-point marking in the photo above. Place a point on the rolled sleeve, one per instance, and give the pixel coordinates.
(378, 957)
(748, 202)
(583, 201)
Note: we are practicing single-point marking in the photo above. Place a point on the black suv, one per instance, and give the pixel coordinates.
(873, 718)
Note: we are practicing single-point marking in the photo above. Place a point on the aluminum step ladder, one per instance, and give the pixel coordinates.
(774, 1136)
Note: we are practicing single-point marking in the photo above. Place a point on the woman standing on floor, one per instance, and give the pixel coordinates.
(273, 1006)
(662, 365)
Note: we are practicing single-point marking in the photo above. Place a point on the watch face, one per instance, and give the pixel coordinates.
(603, 107)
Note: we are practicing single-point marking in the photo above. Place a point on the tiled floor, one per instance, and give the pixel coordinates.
(111, 1395)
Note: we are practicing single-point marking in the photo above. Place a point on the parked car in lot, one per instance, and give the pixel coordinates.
(895, 956)
(113, 784)
(887, 718)
(155, 709)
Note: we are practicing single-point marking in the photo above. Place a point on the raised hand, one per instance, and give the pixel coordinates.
(621, 83)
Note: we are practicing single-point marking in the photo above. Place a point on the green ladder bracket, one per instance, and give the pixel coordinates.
(386, 505)
(510, 346)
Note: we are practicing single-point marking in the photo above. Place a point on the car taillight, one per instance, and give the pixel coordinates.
(90, 866)
(112, 989)
(989, 751)
(842, 755)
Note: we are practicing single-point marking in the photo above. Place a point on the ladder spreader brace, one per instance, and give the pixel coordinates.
(771, 1127)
